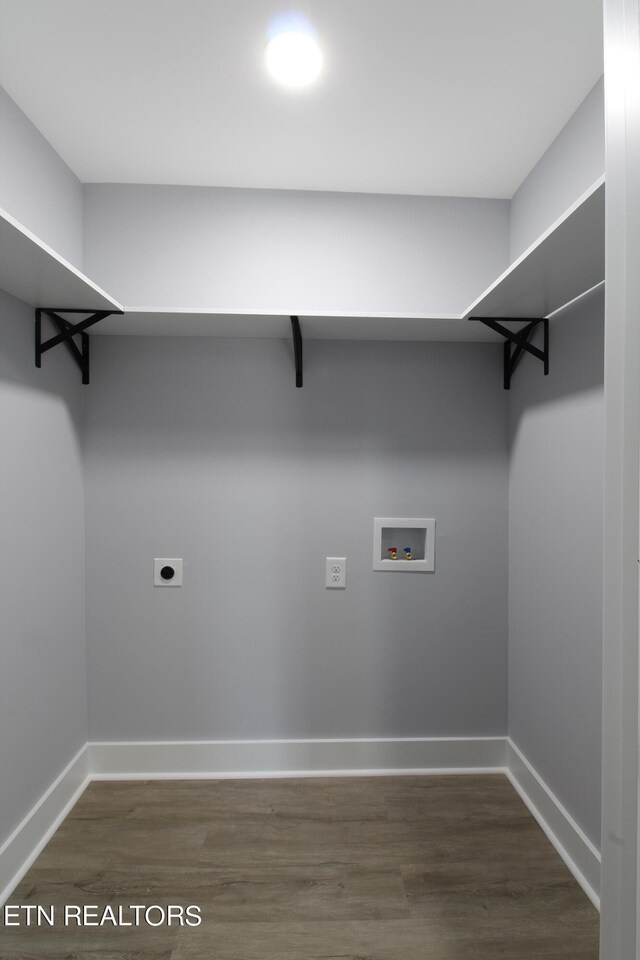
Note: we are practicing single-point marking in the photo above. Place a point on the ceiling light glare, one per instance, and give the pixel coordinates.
(294, 59)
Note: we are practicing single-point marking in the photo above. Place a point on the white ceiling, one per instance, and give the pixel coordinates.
(448, 97)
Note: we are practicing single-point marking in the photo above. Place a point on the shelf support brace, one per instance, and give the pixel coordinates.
(297, 348)
(517, 344)
(66, 333)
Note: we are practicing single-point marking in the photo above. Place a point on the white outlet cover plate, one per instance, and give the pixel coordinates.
(428, 524)
(159, 563)
(336, 573)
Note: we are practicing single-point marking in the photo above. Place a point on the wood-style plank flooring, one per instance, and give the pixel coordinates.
(387, 868)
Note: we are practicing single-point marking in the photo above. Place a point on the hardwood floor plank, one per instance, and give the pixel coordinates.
(499, 906)
(472, 799)
(90, 955)
(312, 798)
(59, 943)
(239, 893)
(386, 843)
(77, 842)
(368, 940)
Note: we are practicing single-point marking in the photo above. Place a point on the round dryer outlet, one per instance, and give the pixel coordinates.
(167, 572)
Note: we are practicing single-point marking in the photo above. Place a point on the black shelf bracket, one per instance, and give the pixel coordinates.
(66, 333)
(297, 348)
(517, 344)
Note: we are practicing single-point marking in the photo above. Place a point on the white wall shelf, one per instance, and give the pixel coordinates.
(564, 263)
(33, 272)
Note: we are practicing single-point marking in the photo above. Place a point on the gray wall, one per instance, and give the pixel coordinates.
(572, 163)
(43, 714)
(203, 449)
(290, 250)
(555, 561)
(36, 186)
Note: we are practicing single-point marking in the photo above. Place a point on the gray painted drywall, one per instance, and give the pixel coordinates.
(36, 186)
(572, 163)
(555, 562)
(43, 711)
(204, 449)
(292, 251)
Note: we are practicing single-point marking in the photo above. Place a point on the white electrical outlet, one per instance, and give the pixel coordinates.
(336, 573)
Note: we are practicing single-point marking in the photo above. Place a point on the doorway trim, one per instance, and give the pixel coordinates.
(620, 828)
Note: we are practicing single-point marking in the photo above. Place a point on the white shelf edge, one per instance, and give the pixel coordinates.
(581, 296)
(50, 252)
(284, 314)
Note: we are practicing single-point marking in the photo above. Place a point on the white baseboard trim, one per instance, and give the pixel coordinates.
(219, 759)
(31, 836)
(297, 758)
(575, 848)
